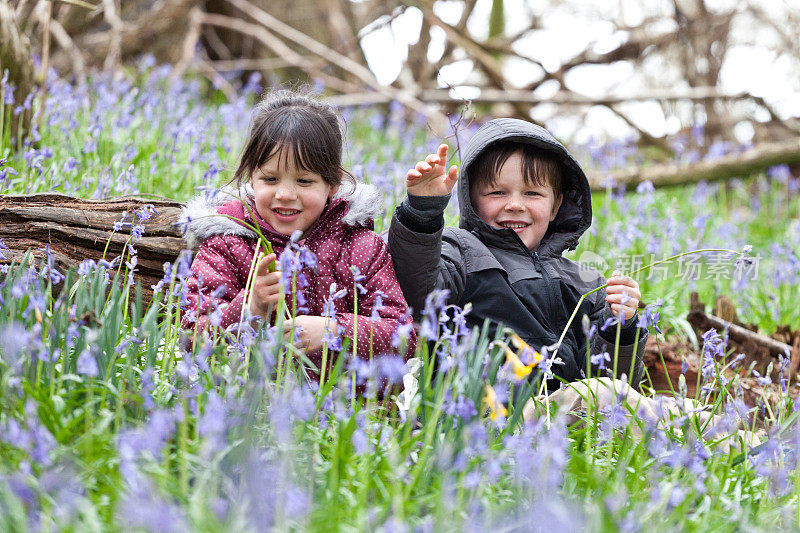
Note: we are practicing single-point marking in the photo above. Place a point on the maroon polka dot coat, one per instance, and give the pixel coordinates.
(342, 237)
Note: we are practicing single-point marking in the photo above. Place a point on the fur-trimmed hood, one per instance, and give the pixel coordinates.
(200, 218)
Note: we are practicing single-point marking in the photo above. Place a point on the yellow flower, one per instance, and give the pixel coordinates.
(490, 403)
(519, 369)
(513, 360)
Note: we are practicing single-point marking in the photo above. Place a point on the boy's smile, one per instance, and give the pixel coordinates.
(511, 203)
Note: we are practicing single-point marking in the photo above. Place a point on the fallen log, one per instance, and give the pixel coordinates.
(752, 161)
(703, 322)
(75, 229)
(760, 349)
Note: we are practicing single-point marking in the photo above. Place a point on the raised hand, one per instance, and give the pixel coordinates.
(431, 177)
(266, 289)
(622, 293)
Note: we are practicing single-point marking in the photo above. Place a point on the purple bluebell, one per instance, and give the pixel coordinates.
(599, 360)
(611, 321)
(87, 364)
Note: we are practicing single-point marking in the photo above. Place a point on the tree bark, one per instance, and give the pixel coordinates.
(76, 229)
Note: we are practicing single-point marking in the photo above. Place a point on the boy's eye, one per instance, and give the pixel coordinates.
(305, 181)
(494, 193)
(533, 193)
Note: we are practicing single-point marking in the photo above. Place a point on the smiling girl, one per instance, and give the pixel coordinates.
(290, 181)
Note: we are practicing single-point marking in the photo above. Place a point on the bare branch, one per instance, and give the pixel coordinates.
(266, 64)
(216, 79)
(645, 137)
(217, 45)
(280, 48)
(115, 41)
(360, 72)
(189, 43)
(65, 42)
(566, 98)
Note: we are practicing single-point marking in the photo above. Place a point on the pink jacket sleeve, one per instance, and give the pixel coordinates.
(216, 286)
(370, 254)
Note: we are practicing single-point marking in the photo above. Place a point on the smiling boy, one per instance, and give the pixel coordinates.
(524, 201)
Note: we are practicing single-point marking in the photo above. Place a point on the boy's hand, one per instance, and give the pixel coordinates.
(623, 295)
(310, 330)
(431, 177)
(266, 289)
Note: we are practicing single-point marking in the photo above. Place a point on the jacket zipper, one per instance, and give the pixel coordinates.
(537, 264)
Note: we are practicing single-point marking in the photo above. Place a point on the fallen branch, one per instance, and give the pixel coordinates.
(76, 229)
(759, 349)
(492, 95)
(739, 334)
(757, 159)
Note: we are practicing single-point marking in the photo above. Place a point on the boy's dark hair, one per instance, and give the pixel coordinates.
(299, 126)
(538, 166)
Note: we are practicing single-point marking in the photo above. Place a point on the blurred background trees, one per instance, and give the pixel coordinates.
(659, 70)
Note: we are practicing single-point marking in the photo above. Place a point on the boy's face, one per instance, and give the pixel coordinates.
(513, 204)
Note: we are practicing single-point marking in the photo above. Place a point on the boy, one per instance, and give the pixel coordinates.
(523, 201)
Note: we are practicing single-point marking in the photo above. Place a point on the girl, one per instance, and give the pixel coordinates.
(290, 176)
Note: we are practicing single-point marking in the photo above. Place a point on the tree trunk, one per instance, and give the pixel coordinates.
(15, 56)
(76, 229)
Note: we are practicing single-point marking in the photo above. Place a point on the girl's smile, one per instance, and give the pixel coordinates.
(289, 198)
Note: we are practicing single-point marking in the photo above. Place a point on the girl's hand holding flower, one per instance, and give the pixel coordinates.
(266, 289)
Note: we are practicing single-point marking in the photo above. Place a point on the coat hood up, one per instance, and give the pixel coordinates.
(573, 217)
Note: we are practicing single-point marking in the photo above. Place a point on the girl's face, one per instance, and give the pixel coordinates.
(287, 197)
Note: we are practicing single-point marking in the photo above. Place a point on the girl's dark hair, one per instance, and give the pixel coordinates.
(300, 127)
(538, 166)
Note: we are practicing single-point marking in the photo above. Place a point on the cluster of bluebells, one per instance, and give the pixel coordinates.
(293, 260)
(218, 396)
(176, 135)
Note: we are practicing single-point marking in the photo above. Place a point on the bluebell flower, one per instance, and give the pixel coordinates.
(650, 317)
(600, 360)
(461, 407)
(358, 277)
(377, 306)
(612, 321)
(762, 380)
(137, 231)
(87, 364)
